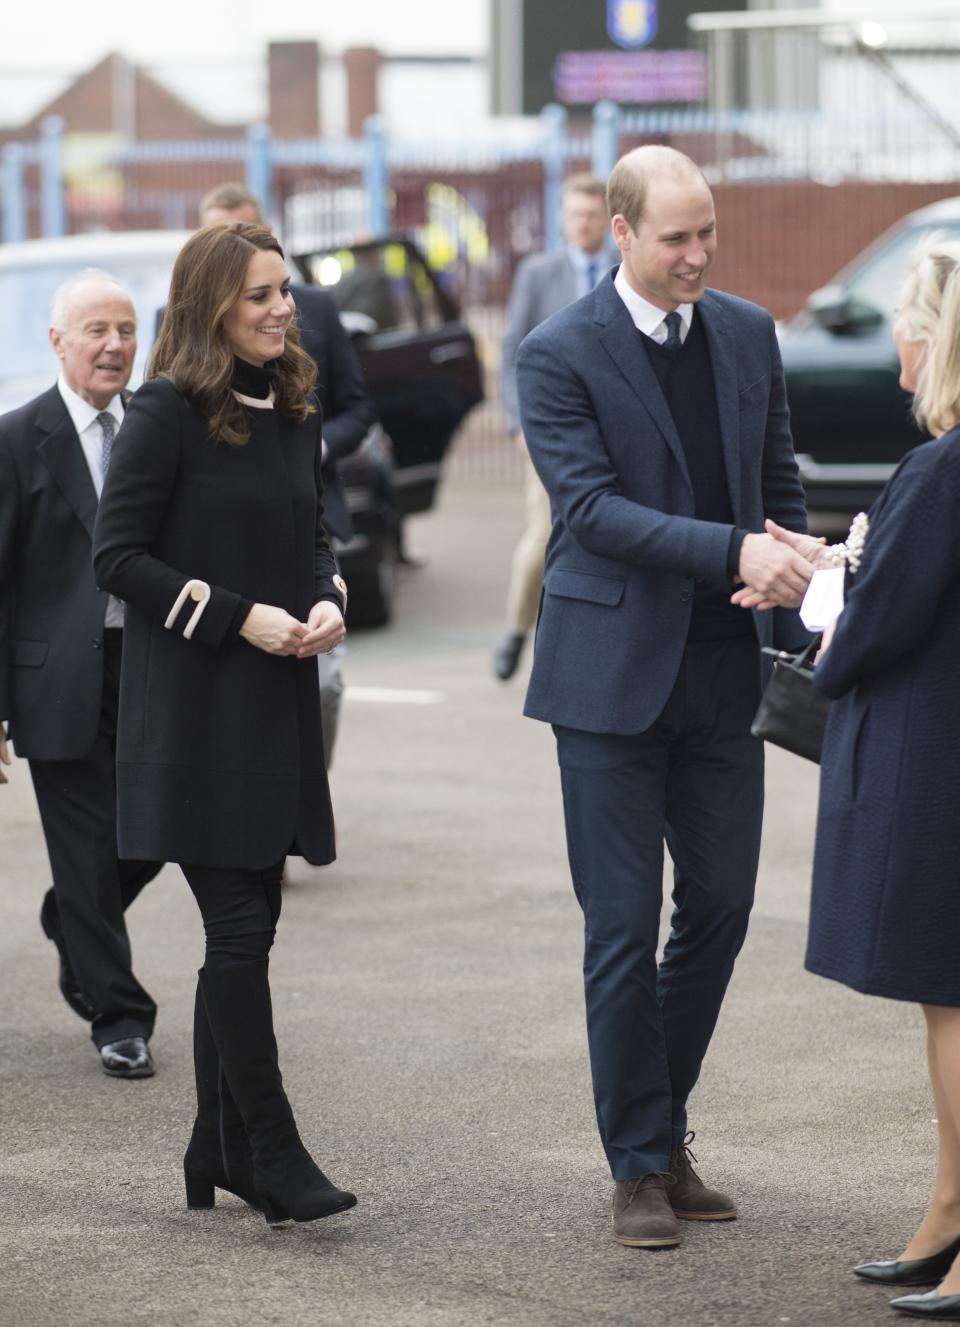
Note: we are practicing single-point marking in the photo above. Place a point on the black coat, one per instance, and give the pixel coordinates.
(219, 751)
(885, 910)
(348, 411)
(51, 612)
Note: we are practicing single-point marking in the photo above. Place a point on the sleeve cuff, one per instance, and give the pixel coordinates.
(737, 537)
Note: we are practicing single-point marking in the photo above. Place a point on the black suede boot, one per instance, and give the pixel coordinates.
(288, 1182)
(218, 1154)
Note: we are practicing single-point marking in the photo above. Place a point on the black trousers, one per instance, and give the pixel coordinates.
(695, 780)
(91, 886)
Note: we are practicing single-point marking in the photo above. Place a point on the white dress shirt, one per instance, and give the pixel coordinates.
(84, 417)
(647, 318)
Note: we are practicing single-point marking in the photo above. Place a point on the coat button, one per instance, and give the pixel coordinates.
(97, 644)
(686, 597)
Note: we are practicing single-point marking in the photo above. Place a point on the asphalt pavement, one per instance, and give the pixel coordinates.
(429, 1011)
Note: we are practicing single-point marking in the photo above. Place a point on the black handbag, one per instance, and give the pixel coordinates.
(793, 713)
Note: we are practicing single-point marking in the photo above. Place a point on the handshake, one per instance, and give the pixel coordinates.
(776, 567)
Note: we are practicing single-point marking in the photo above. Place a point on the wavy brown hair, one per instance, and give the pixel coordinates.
(192, 350)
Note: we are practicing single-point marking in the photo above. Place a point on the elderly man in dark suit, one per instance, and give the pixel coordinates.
(348, 414)
(545, 283)
(60, 647)
(655, 414)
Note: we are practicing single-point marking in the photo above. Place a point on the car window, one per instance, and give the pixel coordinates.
(386, 284)
(878, 282)
(27, 292)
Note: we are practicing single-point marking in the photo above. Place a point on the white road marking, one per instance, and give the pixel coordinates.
(394, 696)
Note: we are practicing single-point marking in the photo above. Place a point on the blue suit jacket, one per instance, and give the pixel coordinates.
(626, 548)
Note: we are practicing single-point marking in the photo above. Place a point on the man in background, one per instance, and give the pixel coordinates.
(61, 641)
(544, 284)
(348, 413)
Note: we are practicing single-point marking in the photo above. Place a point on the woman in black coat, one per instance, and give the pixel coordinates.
(210, 531)
(885, 915)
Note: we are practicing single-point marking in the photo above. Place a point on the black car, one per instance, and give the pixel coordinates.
(422, 370)
(850, 418)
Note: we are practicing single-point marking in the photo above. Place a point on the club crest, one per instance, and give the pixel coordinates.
(632, 23)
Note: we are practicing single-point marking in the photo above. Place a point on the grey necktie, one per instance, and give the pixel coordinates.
(591, 275)
(108, 426)
(673, 321)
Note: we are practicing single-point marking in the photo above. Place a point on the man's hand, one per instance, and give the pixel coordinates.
(814, 550)
(273, 630)
(521, 442)
(325, 629)
(774, 574)
(4, 752)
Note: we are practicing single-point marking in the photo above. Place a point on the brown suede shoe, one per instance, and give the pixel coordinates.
(642, 1215)
(689, 1197)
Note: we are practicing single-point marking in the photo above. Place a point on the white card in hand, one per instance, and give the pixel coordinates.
(823, 600)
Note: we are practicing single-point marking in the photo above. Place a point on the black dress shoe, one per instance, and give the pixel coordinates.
(78, 1001)
(940, 1308)
(914, 1272)
(507, 654)
(129, 1058)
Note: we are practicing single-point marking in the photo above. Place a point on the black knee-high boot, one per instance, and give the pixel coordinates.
(289, 1183)
(218, 1154)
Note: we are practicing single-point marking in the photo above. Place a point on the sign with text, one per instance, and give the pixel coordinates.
(643, 77)
(635, 52)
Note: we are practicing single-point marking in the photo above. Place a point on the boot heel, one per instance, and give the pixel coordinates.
(274, 1216)
(199, 1192)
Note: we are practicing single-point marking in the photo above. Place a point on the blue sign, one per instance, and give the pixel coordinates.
(632, 23)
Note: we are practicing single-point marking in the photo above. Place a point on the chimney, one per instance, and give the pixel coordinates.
(294, 89)
(362, 64)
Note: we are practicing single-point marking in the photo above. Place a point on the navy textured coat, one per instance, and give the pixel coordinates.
(626, 549)
(885, 915)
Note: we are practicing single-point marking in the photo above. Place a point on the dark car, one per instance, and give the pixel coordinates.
(422, 370)
(850, 418)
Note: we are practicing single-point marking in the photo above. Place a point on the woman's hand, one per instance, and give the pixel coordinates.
(325, 629)
(273, 630)
(4, 753)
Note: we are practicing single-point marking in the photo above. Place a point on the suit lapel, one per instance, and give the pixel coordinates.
(723, 359)
(621, 340)
(62, 454)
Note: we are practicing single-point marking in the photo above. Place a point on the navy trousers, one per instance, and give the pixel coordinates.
(694, 780)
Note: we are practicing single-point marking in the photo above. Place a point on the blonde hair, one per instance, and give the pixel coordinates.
(931, 315)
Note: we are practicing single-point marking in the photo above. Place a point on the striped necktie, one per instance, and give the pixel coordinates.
(108, 427)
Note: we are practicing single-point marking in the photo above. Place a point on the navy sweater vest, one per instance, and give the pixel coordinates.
(686, 380)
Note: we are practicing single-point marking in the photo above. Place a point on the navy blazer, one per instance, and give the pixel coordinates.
(626, 548)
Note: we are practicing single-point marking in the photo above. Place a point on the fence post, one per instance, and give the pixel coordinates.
(376, 176)
(258, 168)
(605, 141)
(554, 119)
(53, 219)
(14, 193)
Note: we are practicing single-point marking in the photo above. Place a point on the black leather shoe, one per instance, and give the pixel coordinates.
(78, 1001)
(914, 1272)
(940, 1308)
(129, 1058)
(507, 654)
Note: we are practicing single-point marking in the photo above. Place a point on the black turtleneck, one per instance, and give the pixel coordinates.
(249, 380)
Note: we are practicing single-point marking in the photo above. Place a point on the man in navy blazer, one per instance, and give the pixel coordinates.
(655, 414)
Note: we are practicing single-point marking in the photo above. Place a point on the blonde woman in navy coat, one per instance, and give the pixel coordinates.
(210, 531)
(886, 894)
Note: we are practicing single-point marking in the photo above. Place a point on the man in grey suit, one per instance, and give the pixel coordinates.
(545, 283)
(654, 411)
(60, 648)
